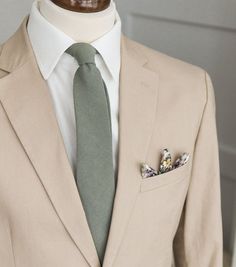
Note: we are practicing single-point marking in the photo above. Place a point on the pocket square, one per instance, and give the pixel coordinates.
(165, 164)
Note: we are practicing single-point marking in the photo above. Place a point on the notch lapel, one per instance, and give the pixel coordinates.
(27, 102)
(138, 100)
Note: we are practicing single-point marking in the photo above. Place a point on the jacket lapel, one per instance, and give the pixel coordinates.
(27, 102)
(138, 99)
(25, 98)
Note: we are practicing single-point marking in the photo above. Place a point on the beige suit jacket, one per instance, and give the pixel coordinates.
(173, 217)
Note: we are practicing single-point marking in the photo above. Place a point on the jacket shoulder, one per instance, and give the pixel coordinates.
(166, 63)
(2, 72)
(179, 81)
(174, 74)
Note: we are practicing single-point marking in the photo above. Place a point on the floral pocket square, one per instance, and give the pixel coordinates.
(166, 164)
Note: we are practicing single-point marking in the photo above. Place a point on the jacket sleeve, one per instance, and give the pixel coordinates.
(198, 240)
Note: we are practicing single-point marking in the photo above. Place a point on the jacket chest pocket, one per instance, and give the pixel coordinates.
(174, 176)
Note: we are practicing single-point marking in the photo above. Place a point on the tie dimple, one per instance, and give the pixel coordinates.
(84, 53)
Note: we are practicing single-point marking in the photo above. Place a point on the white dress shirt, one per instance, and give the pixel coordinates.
(58, 69)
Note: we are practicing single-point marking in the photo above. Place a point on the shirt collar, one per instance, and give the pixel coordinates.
(49, 43)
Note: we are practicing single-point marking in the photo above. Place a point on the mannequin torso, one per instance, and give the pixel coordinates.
(82, 27)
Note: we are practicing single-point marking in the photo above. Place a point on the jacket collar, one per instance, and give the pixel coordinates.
(16, 50)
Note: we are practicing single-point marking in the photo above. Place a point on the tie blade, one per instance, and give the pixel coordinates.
(94, 169)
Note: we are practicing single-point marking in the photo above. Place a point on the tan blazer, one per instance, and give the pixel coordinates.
(176, 216)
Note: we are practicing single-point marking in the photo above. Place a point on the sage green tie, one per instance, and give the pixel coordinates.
(94, 173)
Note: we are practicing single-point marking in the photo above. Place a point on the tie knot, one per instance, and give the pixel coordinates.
(83, 52)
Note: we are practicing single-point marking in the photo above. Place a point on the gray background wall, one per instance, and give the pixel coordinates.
(202, 32)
